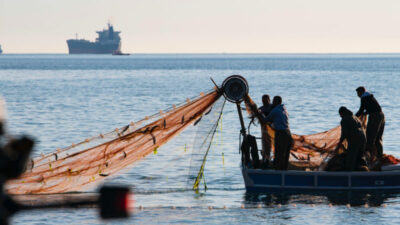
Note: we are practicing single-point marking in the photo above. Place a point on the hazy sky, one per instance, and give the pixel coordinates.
(205, 26)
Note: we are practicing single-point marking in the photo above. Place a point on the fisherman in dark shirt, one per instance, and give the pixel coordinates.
(279, 118)
(376, 123)
(354, 133)
(266, 141)
(267, 107)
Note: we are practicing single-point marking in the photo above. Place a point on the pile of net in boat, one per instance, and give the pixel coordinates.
(82, 165)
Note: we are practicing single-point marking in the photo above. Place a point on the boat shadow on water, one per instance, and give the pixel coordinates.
(353, 198)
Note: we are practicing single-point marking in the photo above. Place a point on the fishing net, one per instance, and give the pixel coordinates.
(203, 141)
(82, 165)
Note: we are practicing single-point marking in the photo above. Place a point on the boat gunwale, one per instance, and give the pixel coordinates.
(324, 173)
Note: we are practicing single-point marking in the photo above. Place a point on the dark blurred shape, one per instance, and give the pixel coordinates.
(114, 202)
(14, 156)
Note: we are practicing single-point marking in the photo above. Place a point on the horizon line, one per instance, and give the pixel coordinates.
(207, 53)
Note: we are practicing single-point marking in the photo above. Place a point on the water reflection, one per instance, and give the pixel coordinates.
(354, 198)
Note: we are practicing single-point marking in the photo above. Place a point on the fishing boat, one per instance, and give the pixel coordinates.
(257, 180)
(309, 151)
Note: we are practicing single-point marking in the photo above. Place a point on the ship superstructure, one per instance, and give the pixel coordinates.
(107, 42)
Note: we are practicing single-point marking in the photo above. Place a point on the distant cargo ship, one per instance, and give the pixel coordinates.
(107, 42)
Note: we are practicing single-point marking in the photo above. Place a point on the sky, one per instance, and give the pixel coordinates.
(205, 26)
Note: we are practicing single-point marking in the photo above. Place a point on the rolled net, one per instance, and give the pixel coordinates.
(82, 165)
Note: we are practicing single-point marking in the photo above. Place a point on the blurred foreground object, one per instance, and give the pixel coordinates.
(14, 154)
(114, 202)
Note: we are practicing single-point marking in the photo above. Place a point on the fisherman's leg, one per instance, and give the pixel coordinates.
(352, 155)
(266, 146)
(288, 146)
(378, 140)
(279, 150)
(362, 163)
(372, 130)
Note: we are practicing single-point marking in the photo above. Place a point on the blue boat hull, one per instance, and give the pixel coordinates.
(257, 180)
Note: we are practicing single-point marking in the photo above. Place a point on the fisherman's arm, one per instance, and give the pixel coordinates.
(270, 117)
(342, 135)
(362, 108)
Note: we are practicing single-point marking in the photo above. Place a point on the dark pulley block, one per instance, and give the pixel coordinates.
(235, 88)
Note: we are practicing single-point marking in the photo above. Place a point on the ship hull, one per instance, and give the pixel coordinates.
(87, 47)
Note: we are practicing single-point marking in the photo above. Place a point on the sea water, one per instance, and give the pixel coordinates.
(64, 99)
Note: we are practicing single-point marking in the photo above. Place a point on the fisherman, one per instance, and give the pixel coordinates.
(283, 138)
(267, 107)
(375, 126)
(353, 132)
(266, 142)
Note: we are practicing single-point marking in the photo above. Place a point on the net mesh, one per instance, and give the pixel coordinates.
(202, 142)
(82, 165)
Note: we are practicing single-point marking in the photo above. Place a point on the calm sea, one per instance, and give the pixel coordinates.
(64, 99)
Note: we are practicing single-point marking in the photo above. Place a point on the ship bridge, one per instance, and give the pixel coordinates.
(108, 34)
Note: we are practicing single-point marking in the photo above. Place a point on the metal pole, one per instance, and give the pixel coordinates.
(243, 130)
